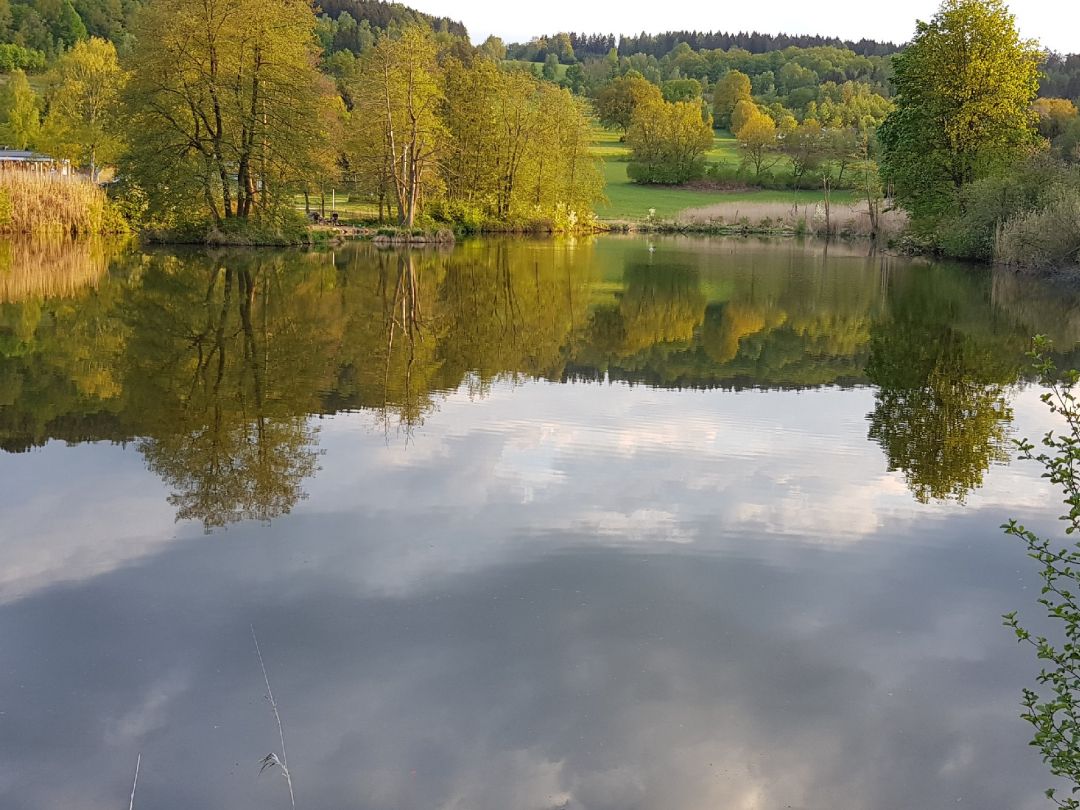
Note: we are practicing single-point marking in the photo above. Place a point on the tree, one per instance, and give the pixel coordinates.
(574, 80)
(758, 139)
(227, 110)
(518, 148)
(668, 142)
(20, 115)
(805, 147)
(964, 90)
(493, 48)
(551, 68)
(1054, 115)
(681, 90)
(743, 112)
(399, 89)
(619, 98)
(841, 148)
(84, 102)
(733, 87)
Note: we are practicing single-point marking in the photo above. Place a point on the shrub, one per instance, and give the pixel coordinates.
(16, 57)
(1045, 237)
(984, 206)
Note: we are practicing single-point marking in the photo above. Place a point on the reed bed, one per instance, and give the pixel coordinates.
(49, 267)
(847, 219)
(32, 202)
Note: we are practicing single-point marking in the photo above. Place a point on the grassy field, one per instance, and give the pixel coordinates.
(632, 202)
(340, 203)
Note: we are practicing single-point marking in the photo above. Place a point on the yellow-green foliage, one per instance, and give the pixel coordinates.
(40, 203)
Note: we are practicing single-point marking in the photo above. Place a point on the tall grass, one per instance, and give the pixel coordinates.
(45, 203)
(50, 266)
(846, 219)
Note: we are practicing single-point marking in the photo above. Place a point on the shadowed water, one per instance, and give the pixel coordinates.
(602, 524)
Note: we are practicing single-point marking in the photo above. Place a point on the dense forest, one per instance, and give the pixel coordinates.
(658, 45)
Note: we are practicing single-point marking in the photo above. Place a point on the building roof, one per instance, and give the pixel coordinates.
(24, 156)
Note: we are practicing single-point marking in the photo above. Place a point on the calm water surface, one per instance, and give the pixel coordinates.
(599, 525)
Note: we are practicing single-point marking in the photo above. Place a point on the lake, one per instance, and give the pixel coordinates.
(599, 524)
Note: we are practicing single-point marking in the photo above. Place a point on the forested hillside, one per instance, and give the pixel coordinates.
(41, 29)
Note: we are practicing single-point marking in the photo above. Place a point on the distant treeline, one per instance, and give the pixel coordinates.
(32, 30)
(755, 42)
(658, 45)
(1061, 77)
(384, 15)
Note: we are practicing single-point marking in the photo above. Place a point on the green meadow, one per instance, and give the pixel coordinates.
(630, 202)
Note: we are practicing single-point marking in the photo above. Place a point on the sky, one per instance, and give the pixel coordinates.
(1055, 23)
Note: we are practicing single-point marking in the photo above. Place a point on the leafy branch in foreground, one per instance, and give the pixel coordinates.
(1055, 713)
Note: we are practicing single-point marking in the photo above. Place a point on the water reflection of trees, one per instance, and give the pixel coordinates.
(942, 364)
(214, 363)
(219, 382)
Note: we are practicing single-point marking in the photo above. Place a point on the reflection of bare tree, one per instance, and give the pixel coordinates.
(402, 322)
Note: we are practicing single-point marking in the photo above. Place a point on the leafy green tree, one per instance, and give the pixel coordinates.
(733, 87)
(806, 148)
(681, 90)
(743, 112)
(20, 112)
(15, 57)
(517, 149)
(575, 79)
(493, 48)
(758, 139)
(84, 105)
(964, 90)
(550, 71)
(399, 89)
(619, 98)
(227, 111)
(668, 142)
(1068, 142)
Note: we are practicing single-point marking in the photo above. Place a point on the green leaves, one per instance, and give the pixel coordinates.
(1055, 714)
(963, 107)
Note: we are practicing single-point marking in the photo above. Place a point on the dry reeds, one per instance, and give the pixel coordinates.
(49, 267)
(32, 202)
(783, 218)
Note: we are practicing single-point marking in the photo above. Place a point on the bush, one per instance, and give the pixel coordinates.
(983, 207)
(667, 174)
(16, 57)
(1046, 237)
